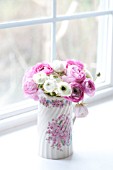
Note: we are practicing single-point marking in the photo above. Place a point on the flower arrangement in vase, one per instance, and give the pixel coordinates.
(66, 79)
(56, 86)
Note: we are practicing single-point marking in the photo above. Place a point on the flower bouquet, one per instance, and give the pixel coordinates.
(66, 79)
(56, 86)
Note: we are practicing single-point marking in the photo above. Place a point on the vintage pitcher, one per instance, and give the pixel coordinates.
(44, 82)
(54, 127)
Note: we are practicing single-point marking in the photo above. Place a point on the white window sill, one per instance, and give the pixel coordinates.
(92, 141)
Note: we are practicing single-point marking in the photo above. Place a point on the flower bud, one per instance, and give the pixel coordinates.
(80, 110)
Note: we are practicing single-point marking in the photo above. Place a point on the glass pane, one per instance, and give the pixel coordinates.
(20, 48)
(78, 40)
(74, 6)
(24, 9)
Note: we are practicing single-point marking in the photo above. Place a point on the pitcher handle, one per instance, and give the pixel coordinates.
(73, 114)
(74, 119)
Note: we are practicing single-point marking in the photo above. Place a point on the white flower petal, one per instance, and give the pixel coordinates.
(58, 66)
(55, 77)
(64, 89)
(88, 74)
(39, 78)
(50, 85)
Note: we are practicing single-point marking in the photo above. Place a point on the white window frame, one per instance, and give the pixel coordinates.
(22, 113)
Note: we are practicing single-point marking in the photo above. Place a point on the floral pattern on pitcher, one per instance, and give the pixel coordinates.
(59, 132)
(53, 103)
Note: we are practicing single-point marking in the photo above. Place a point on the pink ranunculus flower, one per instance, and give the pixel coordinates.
(68, 79)
(80, 77)
(80, 110)
(74, 62)
(77, 73)
(46, 68)
(89, 87)
(77, 92)
(72, 69)
(29, 74)
(30, 88)
(35, 96)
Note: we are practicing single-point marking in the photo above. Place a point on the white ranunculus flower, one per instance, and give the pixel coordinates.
(64, 89)
(39, 78)
(50, 85)
(55, 77)
(88, 74)
(58, 66)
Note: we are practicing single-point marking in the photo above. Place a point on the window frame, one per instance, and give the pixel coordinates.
(105, 89)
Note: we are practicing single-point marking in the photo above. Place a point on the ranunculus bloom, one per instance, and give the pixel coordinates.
(46, 68)
(77, 92)
(39, 78)
(30, 88)
(68, 79)
(74, 62)
(80, 77)
(50, 85)
(29, 74)
(54, 77)
(72, 69)
(76, 72)
(34, 96)
(64, 89)
(89, 87)
(80, 110)
(58, 66)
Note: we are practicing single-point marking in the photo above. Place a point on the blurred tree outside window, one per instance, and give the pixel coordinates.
(23, 47)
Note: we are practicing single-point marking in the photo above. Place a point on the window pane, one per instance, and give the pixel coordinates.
(20, 48)
(78, 40)
(74, 6)
(24, 9)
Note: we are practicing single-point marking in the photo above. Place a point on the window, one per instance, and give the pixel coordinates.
(37, 30)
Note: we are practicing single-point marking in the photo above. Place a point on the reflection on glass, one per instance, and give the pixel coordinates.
(20, 48)
(73, 6)
(24, 9)
(78, 40)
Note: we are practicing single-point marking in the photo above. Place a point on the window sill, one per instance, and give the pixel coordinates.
(17, 122)
(14, 120)
(92, 139)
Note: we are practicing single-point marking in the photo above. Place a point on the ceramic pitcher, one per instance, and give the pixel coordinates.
(54, 127)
